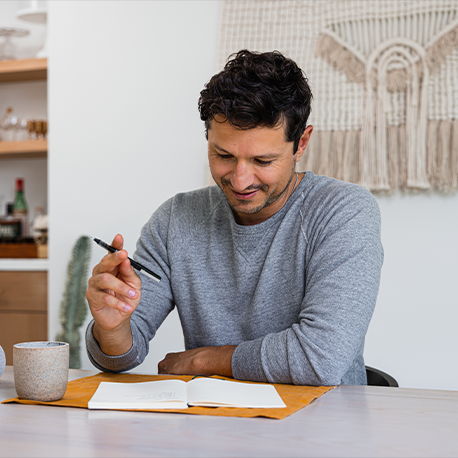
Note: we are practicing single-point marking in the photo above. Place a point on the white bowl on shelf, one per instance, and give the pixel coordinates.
(38, 15)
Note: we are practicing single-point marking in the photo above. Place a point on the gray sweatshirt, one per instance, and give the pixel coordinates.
(295, 293)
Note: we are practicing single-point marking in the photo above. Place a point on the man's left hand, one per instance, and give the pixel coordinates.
(199, 361)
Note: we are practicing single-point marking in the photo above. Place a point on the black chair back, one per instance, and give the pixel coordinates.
(376, 377)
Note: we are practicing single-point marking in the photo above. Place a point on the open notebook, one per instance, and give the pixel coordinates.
(177, 394)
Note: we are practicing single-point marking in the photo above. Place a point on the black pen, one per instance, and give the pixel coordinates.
(135, 264)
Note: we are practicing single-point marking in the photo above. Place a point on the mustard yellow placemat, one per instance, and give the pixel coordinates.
(80, 391)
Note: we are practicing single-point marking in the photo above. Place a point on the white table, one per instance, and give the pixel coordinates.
(347, 421)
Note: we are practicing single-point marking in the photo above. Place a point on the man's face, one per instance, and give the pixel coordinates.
(254, 168)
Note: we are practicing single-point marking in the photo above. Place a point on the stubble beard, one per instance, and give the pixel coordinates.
(241, 207)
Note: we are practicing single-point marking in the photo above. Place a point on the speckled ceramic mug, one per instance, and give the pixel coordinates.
(41, 370)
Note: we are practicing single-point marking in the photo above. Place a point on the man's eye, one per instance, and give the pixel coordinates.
(263, 162)
(224, 156)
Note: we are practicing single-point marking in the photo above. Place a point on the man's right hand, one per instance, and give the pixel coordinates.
(113, 294)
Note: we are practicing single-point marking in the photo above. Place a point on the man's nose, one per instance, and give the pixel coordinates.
(242, 177)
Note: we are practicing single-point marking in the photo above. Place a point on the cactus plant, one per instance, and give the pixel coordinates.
(73, 308)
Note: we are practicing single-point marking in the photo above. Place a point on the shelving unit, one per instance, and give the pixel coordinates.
(17, 71)
(23, 282)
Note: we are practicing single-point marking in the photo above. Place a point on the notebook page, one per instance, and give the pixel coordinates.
(163, 394)
(213, 392)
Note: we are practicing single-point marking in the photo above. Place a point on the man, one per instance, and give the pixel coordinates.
(274, 273)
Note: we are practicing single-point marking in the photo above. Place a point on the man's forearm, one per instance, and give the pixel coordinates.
(114, 342)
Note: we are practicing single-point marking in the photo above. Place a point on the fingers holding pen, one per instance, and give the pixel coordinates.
(117, 262)
(118, 242)
(113, 259)
(108, 282)
(115, 303)
(107, 290)
(111, 262)
(114, 290)
(125, 268)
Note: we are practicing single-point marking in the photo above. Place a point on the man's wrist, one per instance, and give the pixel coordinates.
(114, 342)
(223, 360)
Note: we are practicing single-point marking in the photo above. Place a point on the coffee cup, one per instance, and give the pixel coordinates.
(41, 370)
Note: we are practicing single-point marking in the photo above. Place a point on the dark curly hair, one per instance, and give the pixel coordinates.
(259, 89)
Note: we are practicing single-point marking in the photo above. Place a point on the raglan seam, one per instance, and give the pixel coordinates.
(198, 224)
(302, 220)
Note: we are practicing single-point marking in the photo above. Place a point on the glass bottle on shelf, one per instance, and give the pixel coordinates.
(38, 129)
(39, 225)
(20, 208)
(10, 227)
(7, 125)
(12, 128)
(31, 128)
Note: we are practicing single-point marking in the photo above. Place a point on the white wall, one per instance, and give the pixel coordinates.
(413, 334)
(124, 82)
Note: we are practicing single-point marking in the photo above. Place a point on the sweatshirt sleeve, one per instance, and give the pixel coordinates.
(156, 301)
(344, 257)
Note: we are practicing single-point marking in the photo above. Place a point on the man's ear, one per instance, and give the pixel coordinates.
(303, 142)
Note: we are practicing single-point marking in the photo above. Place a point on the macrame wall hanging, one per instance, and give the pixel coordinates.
(384, 74)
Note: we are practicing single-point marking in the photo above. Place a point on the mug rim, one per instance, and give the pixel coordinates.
(41, 344)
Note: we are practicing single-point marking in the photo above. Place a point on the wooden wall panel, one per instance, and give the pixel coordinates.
(21, 327)
(23, 291)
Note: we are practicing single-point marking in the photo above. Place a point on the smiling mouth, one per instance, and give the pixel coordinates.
(245, 195)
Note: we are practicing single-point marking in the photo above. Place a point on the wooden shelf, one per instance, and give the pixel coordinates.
(23, 70)
(28, 148)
